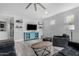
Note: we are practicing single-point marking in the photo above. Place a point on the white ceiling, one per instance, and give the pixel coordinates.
(18, 9)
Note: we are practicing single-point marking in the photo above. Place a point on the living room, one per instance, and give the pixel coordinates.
(29, 27)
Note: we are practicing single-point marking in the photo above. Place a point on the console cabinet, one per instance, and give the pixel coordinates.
(31, 36)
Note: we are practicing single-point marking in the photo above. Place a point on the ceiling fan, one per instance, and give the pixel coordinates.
(35, 6)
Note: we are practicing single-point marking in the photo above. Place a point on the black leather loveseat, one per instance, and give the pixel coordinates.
(7, 48)
(63, 41)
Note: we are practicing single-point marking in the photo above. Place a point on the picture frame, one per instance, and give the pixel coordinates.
(2, 26)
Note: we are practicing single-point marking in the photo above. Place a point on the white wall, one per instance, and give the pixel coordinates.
(4, 34)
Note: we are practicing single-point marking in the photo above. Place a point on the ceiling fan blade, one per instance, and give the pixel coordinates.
(35, 7)
(28, 5)
(41, 5)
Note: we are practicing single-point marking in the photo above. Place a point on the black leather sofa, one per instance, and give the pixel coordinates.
(47, 39)
(63, 41)
(7, 48)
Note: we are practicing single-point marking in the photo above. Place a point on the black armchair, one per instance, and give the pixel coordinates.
(61, 41)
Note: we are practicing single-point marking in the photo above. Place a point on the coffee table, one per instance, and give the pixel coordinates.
(42, 47)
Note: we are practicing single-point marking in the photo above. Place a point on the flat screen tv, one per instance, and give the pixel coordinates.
(31, 27)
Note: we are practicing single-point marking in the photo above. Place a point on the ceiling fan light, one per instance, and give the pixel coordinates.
(35, 6)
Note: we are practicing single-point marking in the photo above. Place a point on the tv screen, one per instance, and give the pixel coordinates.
(31, 27)
(1, 25)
